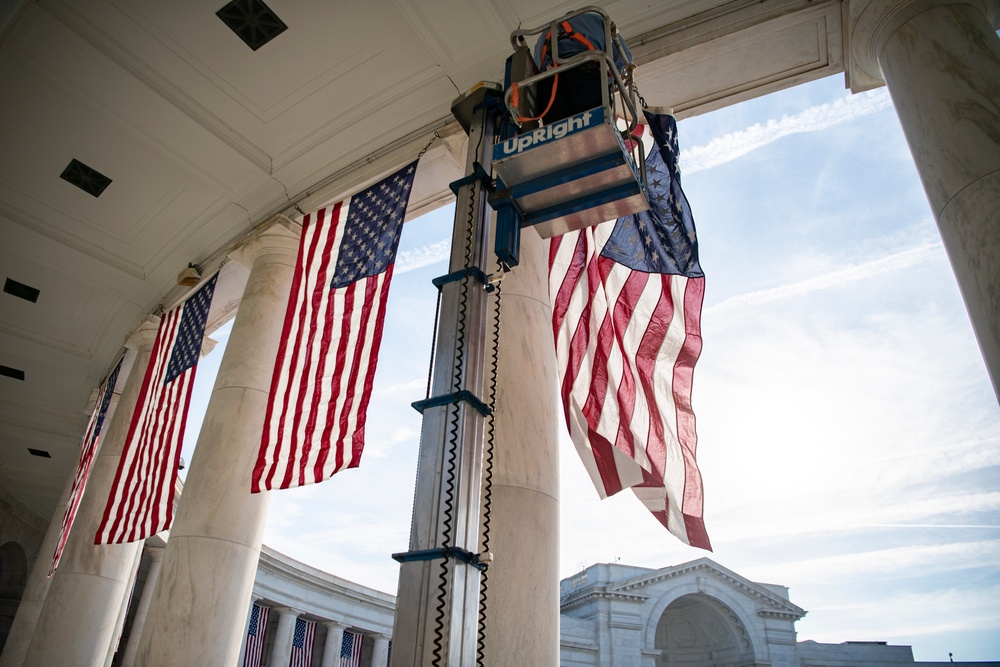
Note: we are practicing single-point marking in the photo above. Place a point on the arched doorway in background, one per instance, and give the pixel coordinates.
(700, 630)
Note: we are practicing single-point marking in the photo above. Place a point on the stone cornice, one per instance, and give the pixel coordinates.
(591, 593)
(776, 605)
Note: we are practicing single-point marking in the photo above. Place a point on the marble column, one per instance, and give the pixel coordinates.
(523, 580)
(281, 648)
(940, 60)
(142, 609)
(77, 622)
(332, 646)
(196, 614)
(116, 636)
(380, 654)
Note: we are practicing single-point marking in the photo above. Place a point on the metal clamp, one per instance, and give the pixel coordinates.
(457, 553)
(449, 399)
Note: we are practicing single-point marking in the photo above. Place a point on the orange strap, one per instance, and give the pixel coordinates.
(570, 33)
(515, 99)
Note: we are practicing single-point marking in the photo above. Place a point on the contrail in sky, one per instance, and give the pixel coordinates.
(846, 276)
(719, 151)
(737, 144)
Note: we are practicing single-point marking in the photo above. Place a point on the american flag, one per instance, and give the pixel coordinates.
(142, 496)
(302, 643)
(88, 452)
(626, 316)
(350, 649)
(316, 410)
(255, 636)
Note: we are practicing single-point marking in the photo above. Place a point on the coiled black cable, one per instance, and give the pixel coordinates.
(448, 501)
(488, 475)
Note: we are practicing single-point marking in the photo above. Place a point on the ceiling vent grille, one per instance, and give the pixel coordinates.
(252, 21)
(15, 373)
(39, 452)
(86, 178)
(21, 291)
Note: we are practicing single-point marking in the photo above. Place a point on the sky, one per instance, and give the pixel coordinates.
(849, 436)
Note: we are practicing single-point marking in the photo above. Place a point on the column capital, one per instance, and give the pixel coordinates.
(334, 625)
(144, 335)
(872, 22)
(277, 240)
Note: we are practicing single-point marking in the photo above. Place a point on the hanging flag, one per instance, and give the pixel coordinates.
(350, 649)
(88, 452)
(254, 654)
(302, 643)
(626, 316)
(315, 420)
(142, 496)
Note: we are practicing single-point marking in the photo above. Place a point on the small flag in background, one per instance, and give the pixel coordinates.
(302, 643)
(88, 452)
(350, 649)
(254, 654)
(323, 373)
(626, 316)
(142, 496)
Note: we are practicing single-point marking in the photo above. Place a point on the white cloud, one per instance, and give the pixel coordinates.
(417, 258)
(737, 144)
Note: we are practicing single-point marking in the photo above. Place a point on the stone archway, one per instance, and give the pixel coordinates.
(13, 578)
(700, 630)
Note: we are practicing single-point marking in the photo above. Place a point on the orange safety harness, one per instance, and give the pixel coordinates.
(566, 30)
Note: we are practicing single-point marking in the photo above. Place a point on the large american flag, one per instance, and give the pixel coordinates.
(254, 653)
(626, 315)
(316, 410)
(302, 643)
(350, 649)
(142, 496)
(88, 452)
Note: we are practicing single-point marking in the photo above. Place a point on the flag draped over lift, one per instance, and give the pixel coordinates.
(323, 373)
(626, 316)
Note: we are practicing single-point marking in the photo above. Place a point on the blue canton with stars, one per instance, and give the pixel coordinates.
(371, 233)
(662, 239)
(187, 346)
(299, 640)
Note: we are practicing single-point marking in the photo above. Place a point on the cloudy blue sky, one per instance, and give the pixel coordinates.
(849, 437)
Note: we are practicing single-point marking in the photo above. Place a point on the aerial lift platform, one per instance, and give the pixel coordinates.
(568, 175)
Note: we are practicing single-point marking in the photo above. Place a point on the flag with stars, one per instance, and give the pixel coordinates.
(141, 502)
(315, 420)
(626, 316)
(350, 649)
(253, 656)
(88, 452)
(302, 643)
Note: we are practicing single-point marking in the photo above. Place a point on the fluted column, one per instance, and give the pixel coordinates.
(77, 621)
(334, 640)
(211, 557)
(940, 60)
(281, 649)
(380, 654)
(523, 580)
(142, 609)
